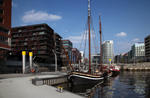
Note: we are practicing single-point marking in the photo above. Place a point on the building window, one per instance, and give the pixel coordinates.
(1, 20)
(20, 30)
(1, 2)
(1, 11)
(41, 33)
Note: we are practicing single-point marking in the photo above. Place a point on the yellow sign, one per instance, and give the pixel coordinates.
(30, 54)
(109, 60)
(23, 52)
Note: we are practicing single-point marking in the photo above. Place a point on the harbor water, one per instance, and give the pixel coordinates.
(125, 85)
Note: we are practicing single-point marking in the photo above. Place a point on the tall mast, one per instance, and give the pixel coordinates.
(101, 54)
(89, 22)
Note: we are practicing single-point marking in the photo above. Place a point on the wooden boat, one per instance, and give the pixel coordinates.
(85, 78)
(77, 77)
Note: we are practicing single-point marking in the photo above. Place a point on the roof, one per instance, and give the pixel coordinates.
(57, 35)
(147, 36)
(34, 25)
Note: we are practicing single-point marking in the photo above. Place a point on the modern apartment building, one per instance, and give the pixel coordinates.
(39, 39)
(130, 56)
(5, 26)
(4, 45)
(76, 56)
(122, 58)
(67, 45)
(5, 13)
(95, 58)
(58, 48)
(108, 51)
(138, 52)
(147, 48)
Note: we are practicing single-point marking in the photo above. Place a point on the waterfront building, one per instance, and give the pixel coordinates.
(122, 58)
(108, 52)
(82, 56)
(138, 52)
(95, 58)
(4, 42)
(117, 59)
(95, 61)
(67, 45)
(130, 56)
(76, 56)
(39, 39)
(5, 13)
(147, 48)
(5, 27)
(58, 48)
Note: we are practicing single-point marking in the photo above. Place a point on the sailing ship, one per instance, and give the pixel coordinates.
(78, 77)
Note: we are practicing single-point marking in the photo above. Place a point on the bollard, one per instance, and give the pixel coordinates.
(30, 59)
(23, 61)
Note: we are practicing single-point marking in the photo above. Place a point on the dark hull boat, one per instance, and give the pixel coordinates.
(115, 73)
(78, 78)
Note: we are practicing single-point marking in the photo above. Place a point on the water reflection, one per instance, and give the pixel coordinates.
(125, 85)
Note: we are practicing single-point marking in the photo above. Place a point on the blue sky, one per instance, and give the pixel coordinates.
(123, 21)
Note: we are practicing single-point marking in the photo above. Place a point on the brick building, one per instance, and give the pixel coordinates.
(76, 56)
(5, 13)
(67, 44)
(5, 26)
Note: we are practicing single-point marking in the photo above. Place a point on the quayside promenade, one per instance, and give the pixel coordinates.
(20, 86)
(136, 67)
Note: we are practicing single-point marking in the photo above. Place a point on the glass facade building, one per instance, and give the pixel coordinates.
(138, 52)
(147, 48)
(108, 52)
(138, 49)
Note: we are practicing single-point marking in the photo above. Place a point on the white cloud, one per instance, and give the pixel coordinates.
(121, 34)
(136, 40)
(75, 39)
(35, 16)
(78, 38)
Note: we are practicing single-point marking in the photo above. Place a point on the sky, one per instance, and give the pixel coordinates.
(123, 21)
